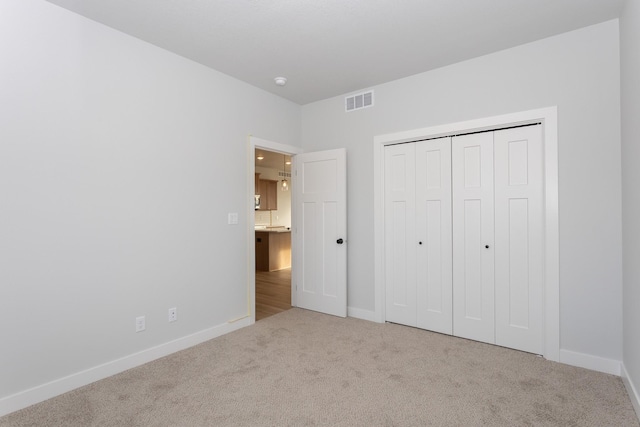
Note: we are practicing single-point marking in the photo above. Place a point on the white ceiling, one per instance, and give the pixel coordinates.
(332, 47)
(273, 160)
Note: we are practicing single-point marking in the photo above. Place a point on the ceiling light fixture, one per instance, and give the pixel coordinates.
(285, 183)
(280, 81)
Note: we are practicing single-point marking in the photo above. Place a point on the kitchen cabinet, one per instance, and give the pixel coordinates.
(268, 195)
(273, 249)
(268, 191)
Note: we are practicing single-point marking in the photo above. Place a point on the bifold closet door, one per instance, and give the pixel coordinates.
(400, 234)
(433, 232)
(464, 236)
(519, 228)
(473, 237)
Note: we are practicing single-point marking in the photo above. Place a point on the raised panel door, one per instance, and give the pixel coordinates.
(433, 232)
(518, 254)
(473, 237)
(400, 234)
(320, 235)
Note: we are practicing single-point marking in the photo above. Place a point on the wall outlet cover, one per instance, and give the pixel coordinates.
(140, 324)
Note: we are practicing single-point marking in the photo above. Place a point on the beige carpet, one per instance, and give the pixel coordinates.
(301, 368)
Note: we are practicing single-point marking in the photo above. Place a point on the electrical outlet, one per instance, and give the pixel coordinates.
(140, 324)
(173, 314)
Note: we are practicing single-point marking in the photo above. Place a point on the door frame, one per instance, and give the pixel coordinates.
(277, 147)
(551, 246)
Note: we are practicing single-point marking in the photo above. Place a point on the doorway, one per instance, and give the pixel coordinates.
(318, 216)
(267, 282)
(272, 197)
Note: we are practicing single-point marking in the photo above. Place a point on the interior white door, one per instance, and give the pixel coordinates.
(320, 231)
(518, 245)
(399, 234)
(433, 231)
(473, 237)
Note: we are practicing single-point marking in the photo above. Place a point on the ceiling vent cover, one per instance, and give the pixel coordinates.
(358, 101)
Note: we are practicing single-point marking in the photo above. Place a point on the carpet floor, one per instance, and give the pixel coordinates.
(300, 368)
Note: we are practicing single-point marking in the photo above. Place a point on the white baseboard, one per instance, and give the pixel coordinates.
(62, 385)
(595, 363)
(632, 390)
(359, 313)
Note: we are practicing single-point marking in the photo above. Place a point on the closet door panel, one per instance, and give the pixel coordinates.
(473, 237)
(518, 255)
(400, 234)
(433, 231)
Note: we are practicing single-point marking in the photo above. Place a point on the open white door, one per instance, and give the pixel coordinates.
(320, 231)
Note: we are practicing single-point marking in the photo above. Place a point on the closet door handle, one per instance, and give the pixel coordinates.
(486, 246)
(419, 243)
(339, 241)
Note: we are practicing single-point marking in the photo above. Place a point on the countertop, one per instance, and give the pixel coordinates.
(263, 229)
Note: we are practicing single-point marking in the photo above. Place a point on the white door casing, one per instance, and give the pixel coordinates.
(320, 231)
(433, 231)
(473, 237)
(519, 238)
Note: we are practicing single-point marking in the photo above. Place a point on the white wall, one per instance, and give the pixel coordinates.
(630, 70)
(578, 72)
(115, 198)
(114, 192)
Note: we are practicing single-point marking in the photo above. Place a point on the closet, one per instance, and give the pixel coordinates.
(464, 236)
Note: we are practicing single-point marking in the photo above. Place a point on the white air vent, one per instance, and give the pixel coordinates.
(358, 101)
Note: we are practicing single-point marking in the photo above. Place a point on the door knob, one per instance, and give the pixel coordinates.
(419, 243)
(486, 246)
(339, 241)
